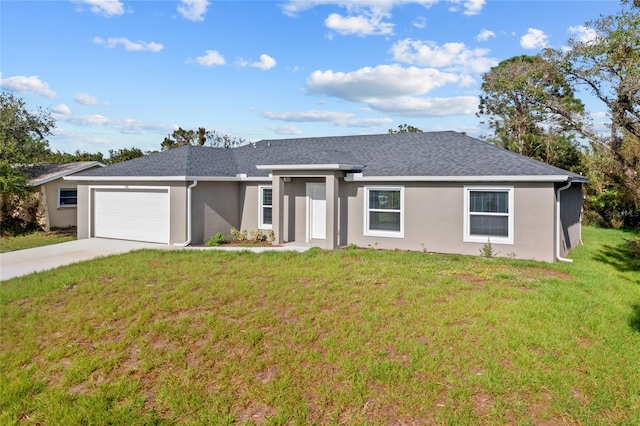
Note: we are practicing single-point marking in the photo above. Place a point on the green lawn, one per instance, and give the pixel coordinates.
(36, 239)
(342, 337)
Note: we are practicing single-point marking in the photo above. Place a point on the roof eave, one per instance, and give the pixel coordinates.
(359, 177)
(298, 167)
(238, 178)
(65, 173)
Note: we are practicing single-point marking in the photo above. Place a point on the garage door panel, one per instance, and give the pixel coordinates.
(141, 215)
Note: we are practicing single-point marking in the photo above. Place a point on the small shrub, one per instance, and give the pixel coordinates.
(352, 246)
(256, 235)
(216, 240)
(271, 236)
(634, 246)
(238, 235)
(487, 250)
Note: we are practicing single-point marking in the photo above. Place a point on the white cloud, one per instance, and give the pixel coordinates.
(211, 58)
(359, 25)
(383, 81)
(24, 84)
(132, 126)
(129, 45)
(87, 99)
(451, 56)
(367, 17)
(583, 34)
(307, 116)
(87, 120)
(473, 7)
(485, 35)
(124, 125)
(61, 109)
(394, 89)
(426, 107)
(193, 10)
(266, 62)
(420, 22)
(289, 129)
(106, 8)
(341, 119)
(534, 39)
(365, 122)
(294, 7)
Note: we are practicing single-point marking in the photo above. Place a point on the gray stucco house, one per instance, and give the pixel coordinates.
(437, 191)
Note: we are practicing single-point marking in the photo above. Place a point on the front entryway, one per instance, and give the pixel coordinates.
(316, 211)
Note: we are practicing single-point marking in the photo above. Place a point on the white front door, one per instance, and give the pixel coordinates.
(317, 211)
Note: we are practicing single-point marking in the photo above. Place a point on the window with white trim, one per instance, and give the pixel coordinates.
(266, 206)
(67, 197)
(384, 211)
(488, 214)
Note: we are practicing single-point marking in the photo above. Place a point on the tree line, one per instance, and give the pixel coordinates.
(532, 106)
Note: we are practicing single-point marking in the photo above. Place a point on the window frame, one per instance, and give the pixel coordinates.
(59, 197)
(367, 210)
(468, 237)
(261, 206)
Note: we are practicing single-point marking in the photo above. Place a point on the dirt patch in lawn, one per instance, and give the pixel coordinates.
(552, 273)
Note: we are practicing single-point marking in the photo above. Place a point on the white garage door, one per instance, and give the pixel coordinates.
(131, 214)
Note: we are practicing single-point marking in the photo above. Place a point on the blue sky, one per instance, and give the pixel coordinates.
(118, 73)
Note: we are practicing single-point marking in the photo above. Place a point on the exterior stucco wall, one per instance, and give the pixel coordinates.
(59, 217)
(248, 206)
(571, 200)
(82, 212)
(177, 211)
(214, 209)
(434, 220)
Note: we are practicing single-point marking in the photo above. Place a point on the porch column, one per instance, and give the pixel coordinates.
(277, 208)
(332, 192)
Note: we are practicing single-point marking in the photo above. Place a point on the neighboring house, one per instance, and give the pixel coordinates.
(58, 197)
(440, 192)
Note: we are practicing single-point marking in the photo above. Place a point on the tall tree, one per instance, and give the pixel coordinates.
(179, 137)
(607, 65)
(532, 110)
(65, 157)
(200, 137)
(23, 140)
(123, 154)
(405, 128)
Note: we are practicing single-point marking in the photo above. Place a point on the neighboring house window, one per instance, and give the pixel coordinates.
(384, 211)
(488, 214)
(266, 206)
(67, 197)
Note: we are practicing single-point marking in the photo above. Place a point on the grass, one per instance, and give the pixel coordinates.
(36, 239)
(342, 337)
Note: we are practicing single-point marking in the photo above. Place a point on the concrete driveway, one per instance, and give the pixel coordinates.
(23, 262)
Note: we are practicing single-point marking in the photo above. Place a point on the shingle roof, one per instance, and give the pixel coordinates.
(41, 173)
(429, 154)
